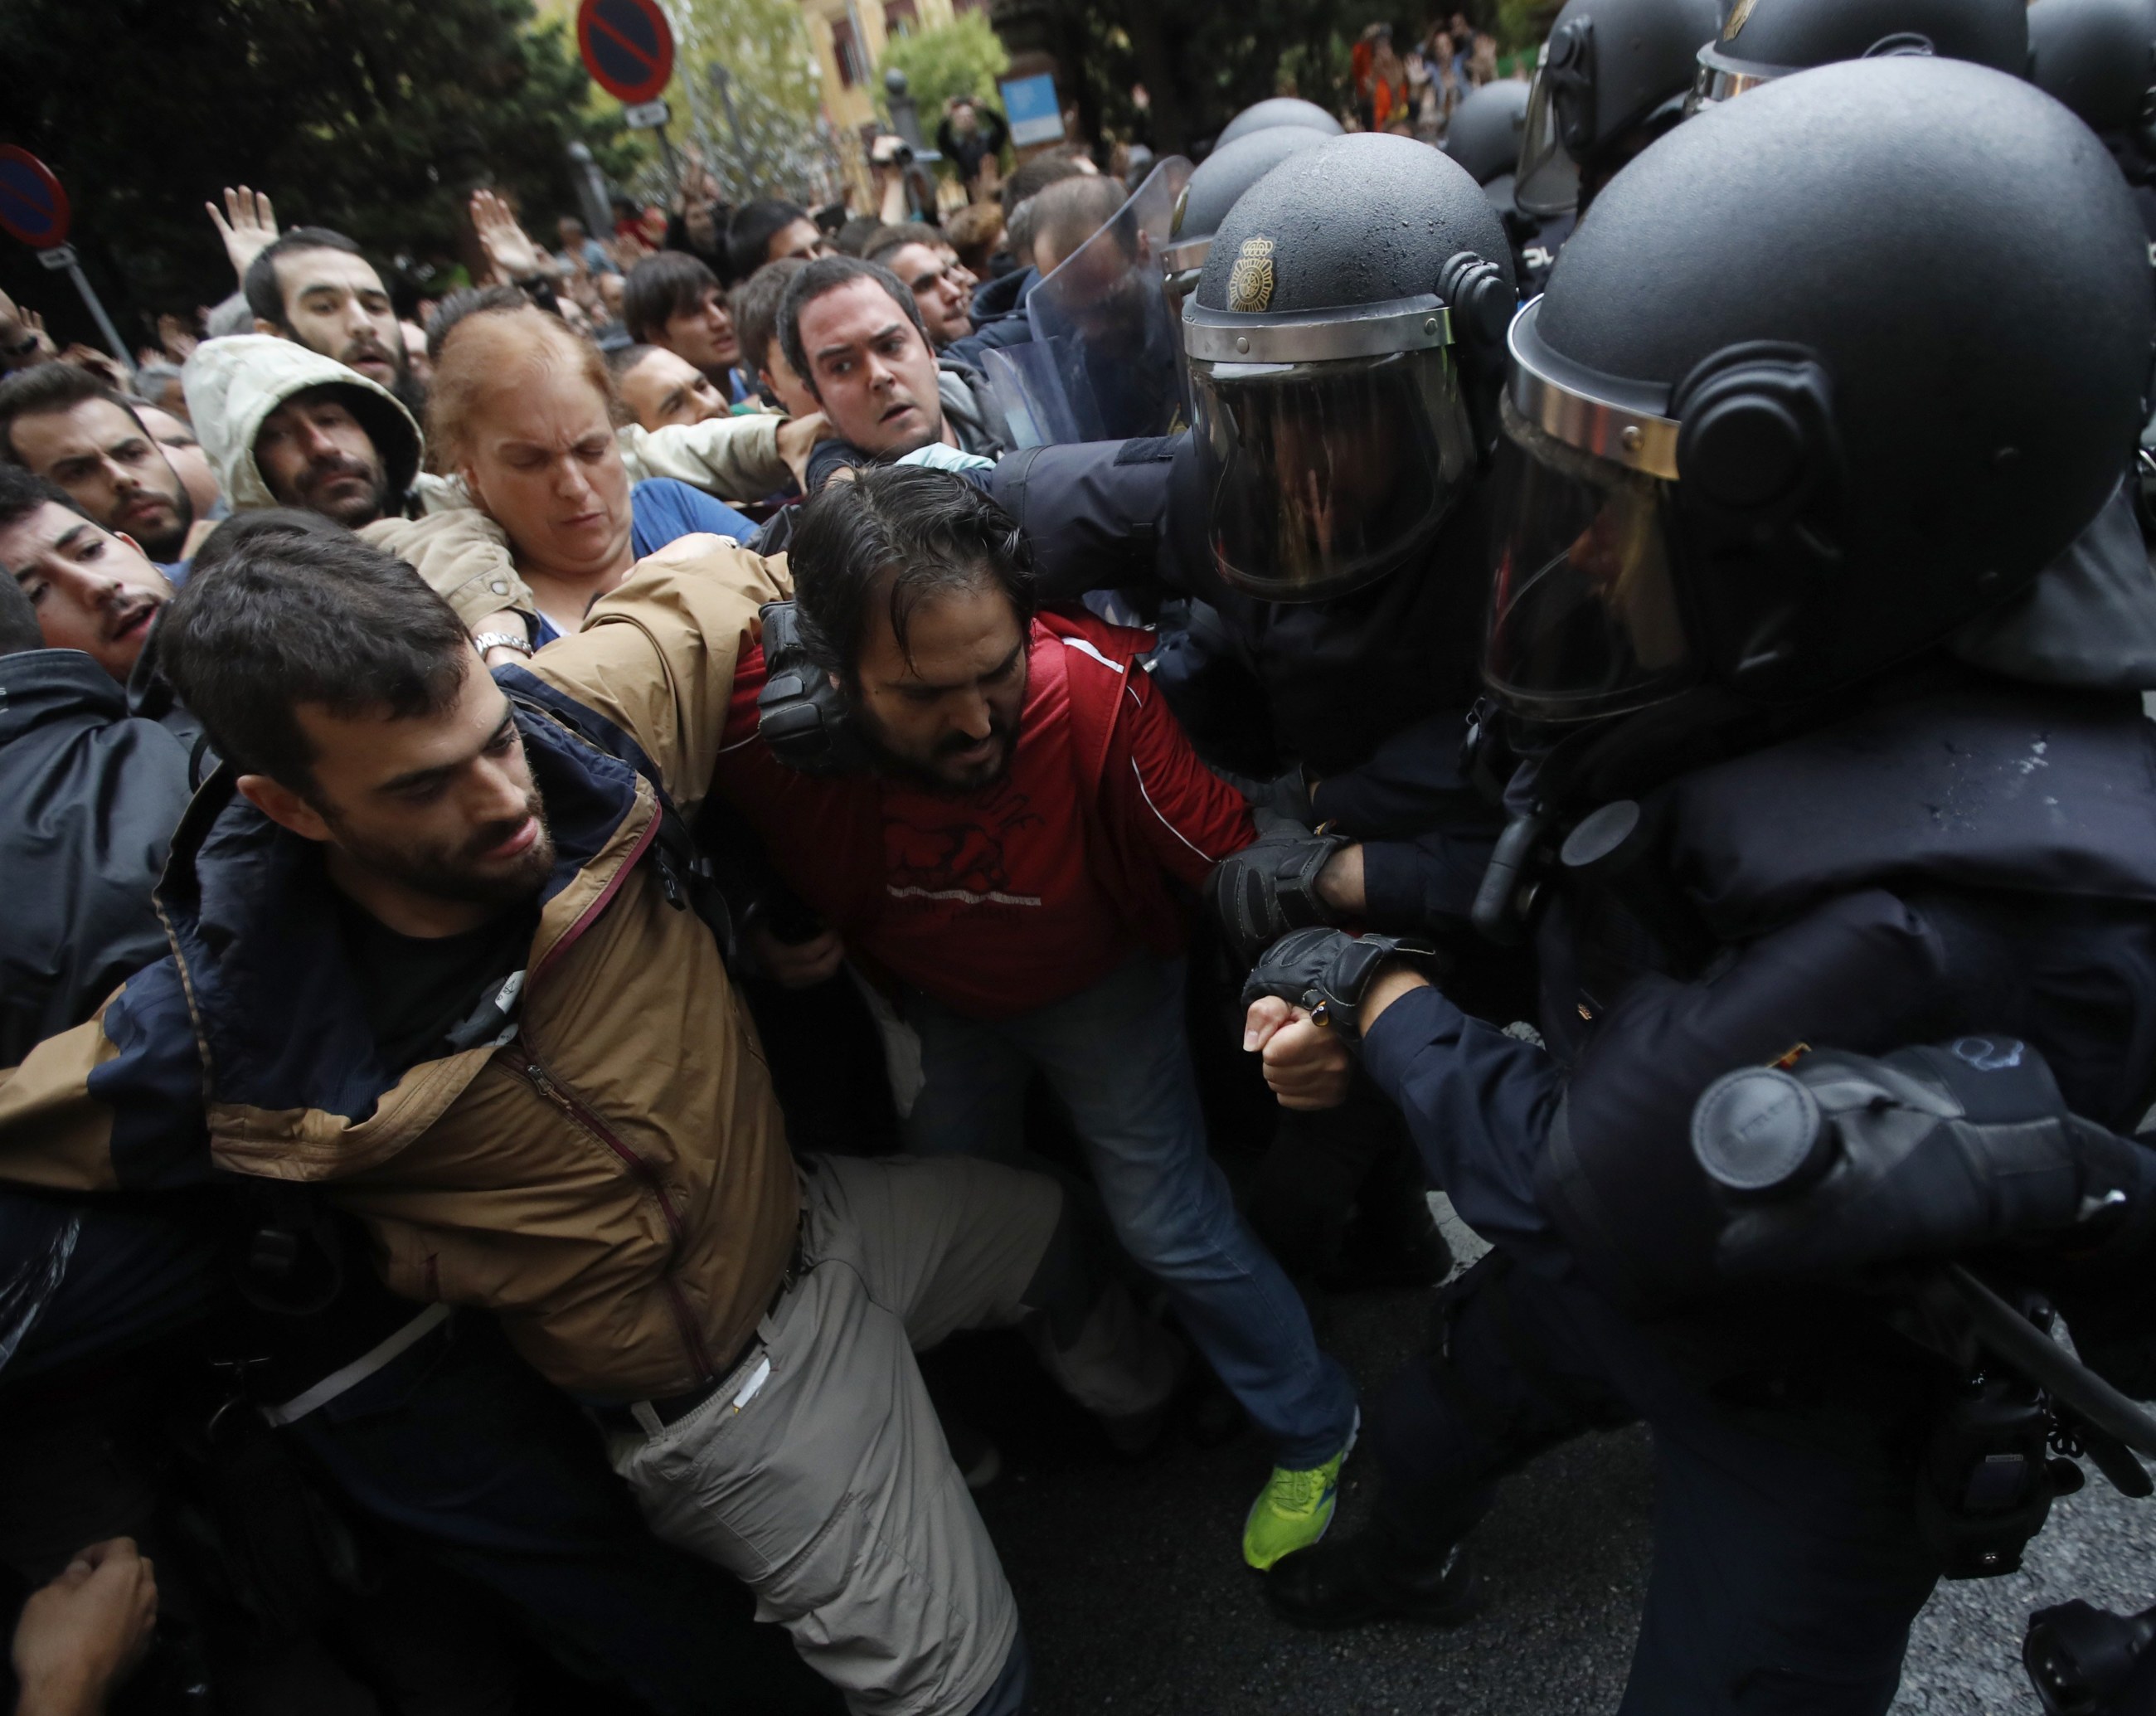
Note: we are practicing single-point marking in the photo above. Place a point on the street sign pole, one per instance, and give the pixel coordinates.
(63, 256)
(35, 209)
(628, 46)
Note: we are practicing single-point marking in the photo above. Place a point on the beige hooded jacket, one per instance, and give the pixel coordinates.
(233, 384)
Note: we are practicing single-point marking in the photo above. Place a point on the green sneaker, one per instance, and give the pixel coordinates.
(1294, 1509)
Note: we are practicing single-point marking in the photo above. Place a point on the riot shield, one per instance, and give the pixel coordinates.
(1103, 364)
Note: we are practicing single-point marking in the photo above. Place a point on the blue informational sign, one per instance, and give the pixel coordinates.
(1030, 106)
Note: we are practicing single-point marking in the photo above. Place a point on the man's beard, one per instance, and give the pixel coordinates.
(353, 513)
(921, 773)
(404, 386)
(452, 874)
(170, 545)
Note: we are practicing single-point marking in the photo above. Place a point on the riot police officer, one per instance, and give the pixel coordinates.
(1753, 496)
(1219, 180)
(1483, 136)
(1770, 38)
(1612, 78)
(1324, 512)
(1277, 110)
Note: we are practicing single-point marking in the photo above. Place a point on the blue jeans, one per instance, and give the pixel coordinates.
(1116, 1056)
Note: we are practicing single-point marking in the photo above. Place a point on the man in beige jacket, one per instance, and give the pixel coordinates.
(440, 949)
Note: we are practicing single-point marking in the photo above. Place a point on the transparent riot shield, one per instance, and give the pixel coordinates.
(1102, 365)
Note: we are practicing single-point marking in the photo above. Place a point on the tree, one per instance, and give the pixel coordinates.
(376, 117)
(1200, 62)
(746, 82)
(964, 57)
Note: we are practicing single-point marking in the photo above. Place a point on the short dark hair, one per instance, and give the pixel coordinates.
(265, 297)
(660, 287)
(47, 390)
(1071, 211)
(749, 233)
(259, 524)
(885, 239)
(289, 614)
(21, 495)
(827, 274)
(755, 305)
(896, 537)
(1029, 178)
(622, 359)
(853, 233)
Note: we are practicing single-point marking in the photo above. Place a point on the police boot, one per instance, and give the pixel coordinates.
(1374, 1576)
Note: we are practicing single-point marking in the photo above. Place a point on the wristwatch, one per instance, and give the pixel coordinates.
(484, 641)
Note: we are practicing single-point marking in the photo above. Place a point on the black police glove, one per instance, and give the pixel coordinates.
(1847, 1163)
(1327, 973)
(1270, 887)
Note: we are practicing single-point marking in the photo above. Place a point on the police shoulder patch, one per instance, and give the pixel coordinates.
(1251, 281)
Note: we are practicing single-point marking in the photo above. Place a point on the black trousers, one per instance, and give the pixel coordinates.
(1788, 1564)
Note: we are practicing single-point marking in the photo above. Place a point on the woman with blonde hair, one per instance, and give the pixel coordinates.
(523, 412)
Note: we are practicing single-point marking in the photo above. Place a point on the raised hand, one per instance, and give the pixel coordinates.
(507, 245)
(247, 226)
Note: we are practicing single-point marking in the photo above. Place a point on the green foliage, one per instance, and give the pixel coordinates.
(746, 83)
(377, 117)
(1522, 24)
(961, 58)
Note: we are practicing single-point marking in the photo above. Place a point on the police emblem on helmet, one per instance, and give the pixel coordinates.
(1738, 14)
(1251, 281)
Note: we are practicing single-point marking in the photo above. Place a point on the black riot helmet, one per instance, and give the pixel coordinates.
(1484, 135)
(1220, 179)
(1345, 341)
(1611, 71)
(1765, 39)
(2099, 57)
(1277, 110)
(1768, 434)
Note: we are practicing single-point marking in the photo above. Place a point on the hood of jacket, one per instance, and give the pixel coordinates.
(980, 426)
(233, 384)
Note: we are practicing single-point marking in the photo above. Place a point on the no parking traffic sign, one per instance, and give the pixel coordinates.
(32, 206)
(628, 46)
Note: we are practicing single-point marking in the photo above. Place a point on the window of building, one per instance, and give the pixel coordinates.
(899, 18)
(846, 49)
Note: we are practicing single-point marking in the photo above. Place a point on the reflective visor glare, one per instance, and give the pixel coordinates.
(1323, 476)
(1547, 182)
(1584, 619)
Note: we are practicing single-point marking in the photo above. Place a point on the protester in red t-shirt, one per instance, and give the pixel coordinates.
(1006, 858)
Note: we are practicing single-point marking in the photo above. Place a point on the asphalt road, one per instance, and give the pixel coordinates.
(1135, 1598)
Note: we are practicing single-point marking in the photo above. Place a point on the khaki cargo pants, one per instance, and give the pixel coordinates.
(828, 1489)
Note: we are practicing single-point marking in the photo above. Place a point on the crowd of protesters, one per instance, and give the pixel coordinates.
(971, 953)
(594, 863)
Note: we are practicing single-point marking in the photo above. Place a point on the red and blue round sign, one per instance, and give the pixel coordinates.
(628, 46)
(32, 206)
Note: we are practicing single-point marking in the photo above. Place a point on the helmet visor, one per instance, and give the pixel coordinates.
(1584, 620)
(1322, 477)
(1547, 179)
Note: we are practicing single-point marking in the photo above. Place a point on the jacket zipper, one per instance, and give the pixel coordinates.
(544, 1082)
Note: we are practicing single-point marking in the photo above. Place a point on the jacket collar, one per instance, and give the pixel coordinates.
(37, 686)
(251, 917)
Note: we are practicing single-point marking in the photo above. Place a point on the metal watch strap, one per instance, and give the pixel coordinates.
(484, 641)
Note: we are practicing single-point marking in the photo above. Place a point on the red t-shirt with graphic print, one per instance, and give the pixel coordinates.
(987, 900)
